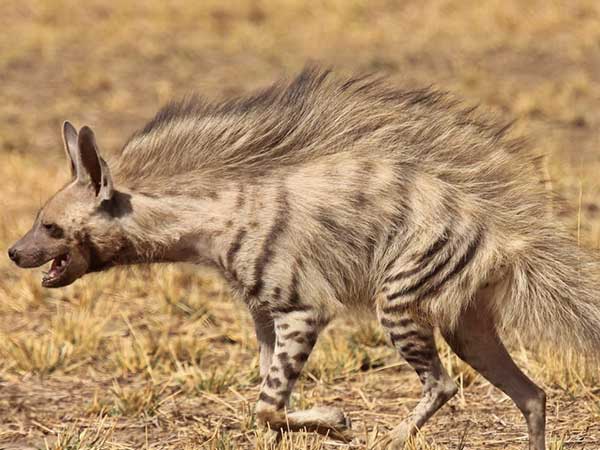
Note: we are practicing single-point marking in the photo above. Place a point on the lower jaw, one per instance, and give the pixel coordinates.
(50, 284)
(55, 282)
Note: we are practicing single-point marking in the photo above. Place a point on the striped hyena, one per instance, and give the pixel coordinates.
(320, 195)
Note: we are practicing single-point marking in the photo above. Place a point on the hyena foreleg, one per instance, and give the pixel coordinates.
(415, 343)
(296, 334)
(265, 335)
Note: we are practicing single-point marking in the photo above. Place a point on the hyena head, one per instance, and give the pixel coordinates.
(76, 228)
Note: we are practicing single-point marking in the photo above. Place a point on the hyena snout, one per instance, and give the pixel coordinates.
(68, 262)
(13, 254)
(25, 256)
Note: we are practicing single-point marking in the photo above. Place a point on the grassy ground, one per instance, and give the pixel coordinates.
(161, 358)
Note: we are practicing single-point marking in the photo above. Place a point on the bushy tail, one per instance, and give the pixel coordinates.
(554, 295)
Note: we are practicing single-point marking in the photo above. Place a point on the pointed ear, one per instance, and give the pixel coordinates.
(90, 166)
(69, 134)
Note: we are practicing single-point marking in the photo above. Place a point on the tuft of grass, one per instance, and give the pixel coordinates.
(215, 380)
(39, 355)
(82, 438)
(336, 358)
(136, 400)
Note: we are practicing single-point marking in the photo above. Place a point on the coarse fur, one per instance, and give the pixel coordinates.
(320, 195)
(392, 155)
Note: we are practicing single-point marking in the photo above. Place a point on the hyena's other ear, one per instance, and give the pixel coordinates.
(90, 166)
(69, 134)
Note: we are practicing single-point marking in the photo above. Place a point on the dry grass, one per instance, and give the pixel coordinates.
(160, 357)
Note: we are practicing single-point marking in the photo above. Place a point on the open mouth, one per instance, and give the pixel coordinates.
(57, 270)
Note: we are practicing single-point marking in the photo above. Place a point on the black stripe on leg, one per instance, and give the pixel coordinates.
(406, 347)
(395, 337)
(273, 382)
(420, 355)
(264, 397)
(301, 357)
(399, 308)
(290, 372)
(291, 335)
(399, 323)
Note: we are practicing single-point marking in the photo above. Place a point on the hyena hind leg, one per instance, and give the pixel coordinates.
(296, 334)
(416, 344)
(476, 342)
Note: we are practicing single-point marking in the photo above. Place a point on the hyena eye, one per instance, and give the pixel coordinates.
(53, 230)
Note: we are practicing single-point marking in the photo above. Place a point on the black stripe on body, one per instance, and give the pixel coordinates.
(421, 282)
(397, 223)
(267, 251)
(436, 247)
(294, 297)
(425, 258)
(340, 232)
(241, 198)
(235, 247)
(293, 302)
(465, 259)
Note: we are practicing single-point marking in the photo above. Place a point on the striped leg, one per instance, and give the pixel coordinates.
(416, 344)
(296, 333)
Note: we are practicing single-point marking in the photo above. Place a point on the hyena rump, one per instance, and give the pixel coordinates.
(317, 196)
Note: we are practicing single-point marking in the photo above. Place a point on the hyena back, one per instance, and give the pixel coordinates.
(319, 196)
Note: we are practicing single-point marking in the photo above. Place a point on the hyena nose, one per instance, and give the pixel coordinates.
(13, 254)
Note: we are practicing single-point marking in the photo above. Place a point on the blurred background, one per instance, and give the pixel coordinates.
(160, 357)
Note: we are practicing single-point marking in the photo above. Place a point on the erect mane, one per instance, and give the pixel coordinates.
(289, 122)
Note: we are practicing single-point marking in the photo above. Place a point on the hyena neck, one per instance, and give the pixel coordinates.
(176, 225)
